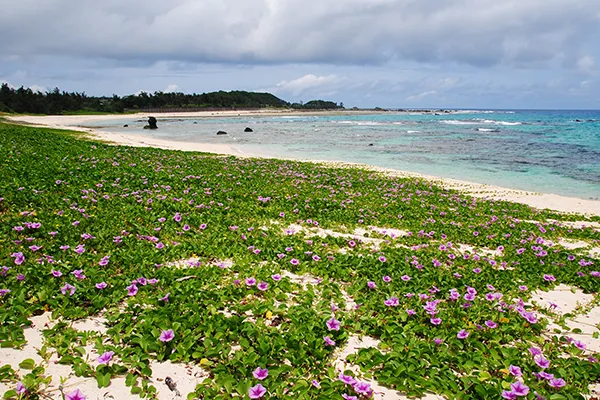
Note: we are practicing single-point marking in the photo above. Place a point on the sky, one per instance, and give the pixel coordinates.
(542, 54)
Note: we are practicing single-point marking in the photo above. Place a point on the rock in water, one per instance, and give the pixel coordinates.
(125, 126)
(248, 130)
(151, 123)
(221, 133)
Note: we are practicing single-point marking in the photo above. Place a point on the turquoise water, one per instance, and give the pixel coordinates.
(545, 151)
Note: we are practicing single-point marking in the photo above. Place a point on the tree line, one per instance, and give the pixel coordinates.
(25, 100)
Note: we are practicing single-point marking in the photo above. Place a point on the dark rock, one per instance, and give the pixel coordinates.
(151, 123)
(370, 144)
(221, 133)
(125, 126)
(577, 120)
(248, 130)
(195, 122)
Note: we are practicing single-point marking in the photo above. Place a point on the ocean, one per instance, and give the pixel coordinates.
(544, 151)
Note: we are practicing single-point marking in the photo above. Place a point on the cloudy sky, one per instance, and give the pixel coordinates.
(366, 53)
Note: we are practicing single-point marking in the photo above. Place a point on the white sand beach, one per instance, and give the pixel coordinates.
(77, 123)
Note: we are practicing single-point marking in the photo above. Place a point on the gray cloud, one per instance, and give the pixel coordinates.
(473, 32)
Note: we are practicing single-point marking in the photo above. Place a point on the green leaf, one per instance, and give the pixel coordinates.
(103, 380)
(27, 364)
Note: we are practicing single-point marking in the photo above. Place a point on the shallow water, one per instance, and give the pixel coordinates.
(545, 151)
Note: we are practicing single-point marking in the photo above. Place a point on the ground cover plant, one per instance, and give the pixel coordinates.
(260, 271)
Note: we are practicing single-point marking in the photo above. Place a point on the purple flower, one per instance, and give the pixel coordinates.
(105, 358)
(436, 321)
(579, 344)
(382, 259)
(387, 279)
(333, 324)
(263, 286)
(132, 290)
(68, 288)
(21, 389)
(519, 388)
(405, 278)
(462, 334)
(491, 324)
(293, 261)
(515, 371)
(411, 312)
(363, 388)
(4, 292)
(256, 392)
(534, 351)
(346, 379)
(166, 336)
(509, 395)
(75, 395)
(557, 383)
(19, 258)
(316, 383)
(348, 397)
(392, 302)
(101, 285)
(541, 361)
(250, 281)
(56, 274)
(165, 298)
(438, 341)
(260, 374)
(549, 278)
(328, 341)
(79, 274)
(276, 277)
(371, 285)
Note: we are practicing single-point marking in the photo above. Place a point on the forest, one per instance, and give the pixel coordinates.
(25, 100)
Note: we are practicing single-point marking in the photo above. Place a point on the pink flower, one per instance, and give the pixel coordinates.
(557, 383)
(165, 298)
(250, 281)
(101, 285)
(541, 361)
(387, 279)
(515, 371)
(256, 392)
(462, 334)
(346, 379)
(333, 324)
(260, 374)
(519, 389)
(68, 288)
(167, 336)
(436, 321)
(132, 290)
(328, 341)
(363, 388)
(371, 285)
(75, 395)
(105, 358)
(263, 286)
(382, 259)
(276, 277)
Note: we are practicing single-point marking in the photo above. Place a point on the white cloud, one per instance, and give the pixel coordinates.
(586, 64)
(172, 88)
(422, 95)
(302, 84)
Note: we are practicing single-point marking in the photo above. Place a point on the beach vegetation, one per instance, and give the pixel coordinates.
(261, 271)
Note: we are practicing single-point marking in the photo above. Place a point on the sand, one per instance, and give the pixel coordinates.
(77, 123)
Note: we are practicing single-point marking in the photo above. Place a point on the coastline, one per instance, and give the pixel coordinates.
(481, 190)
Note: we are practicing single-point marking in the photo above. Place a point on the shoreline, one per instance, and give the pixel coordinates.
(481, 190)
